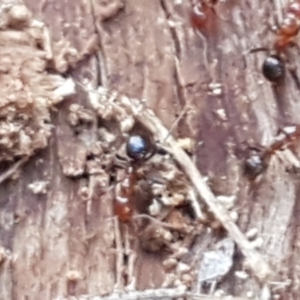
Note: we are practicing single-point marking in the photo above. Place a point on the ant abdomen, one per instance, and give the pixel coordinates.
(139, 148)
(136, 147)
(123, 210)
(124, 193)
(273, 68)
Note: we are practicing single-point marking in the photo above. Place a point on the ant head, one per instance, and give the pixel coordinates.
(139, 148)
(198, 17)
(273, 68)
(254, 165)
(253, 157)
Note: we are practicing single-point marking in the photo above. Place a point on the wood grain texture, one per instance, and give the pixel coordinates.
(60, 244)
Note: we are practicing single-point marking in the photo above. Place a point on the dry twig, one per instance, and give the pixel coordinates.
(165, 294)
(12, 169)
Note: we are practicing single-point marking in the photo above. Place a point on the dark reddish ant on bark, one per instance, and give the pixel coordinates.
(257, 160)
(138, 149)
(273, 67)
(123, 206)
(290, 26)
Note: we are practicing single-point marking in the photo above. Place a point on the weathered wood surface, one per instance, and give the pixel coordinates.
(61, 245)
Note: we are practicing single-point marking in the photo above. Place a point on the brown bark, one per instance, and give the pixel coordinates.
(63, 243)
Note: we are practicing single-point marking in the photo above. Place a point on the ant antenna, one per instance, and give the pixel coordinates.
(183, 112)
(145, 216)
(12, 169)
(258, 49)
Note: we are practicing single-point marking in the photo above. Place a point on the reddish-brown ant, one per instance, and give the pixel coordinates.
(257, 161)
(273, 67)
(140, 147)
(290, 26)
(138, 150)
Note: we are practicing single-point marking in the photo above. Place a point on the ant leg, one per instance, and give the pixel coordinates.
(121, 161)
(284, 139)
(295, 45)
(119, 256)
(270, 27)
(220, 17)
(258, 49)
(290, 157)
(131, 258)
(287, 130)
(291, 66)
(175, 123)
(293, 72)
(273, 27)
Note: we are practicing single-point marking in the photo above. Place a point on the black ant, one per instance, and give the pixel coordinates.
(140, 147)
(273, 67)
(257, 161)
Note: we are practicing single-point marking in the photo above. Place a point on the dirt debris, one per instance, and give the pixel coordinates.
(179, 174)
(28, 90)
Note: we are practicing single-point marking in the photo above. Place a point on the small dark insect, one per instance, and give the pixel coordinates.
(257, 161)
(254, 164)
(139, 149)
(273, 68)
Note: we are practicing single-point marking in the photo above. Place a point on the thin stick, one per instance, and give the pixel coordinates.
(11, 170)
(119, 256)
(166, 294)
